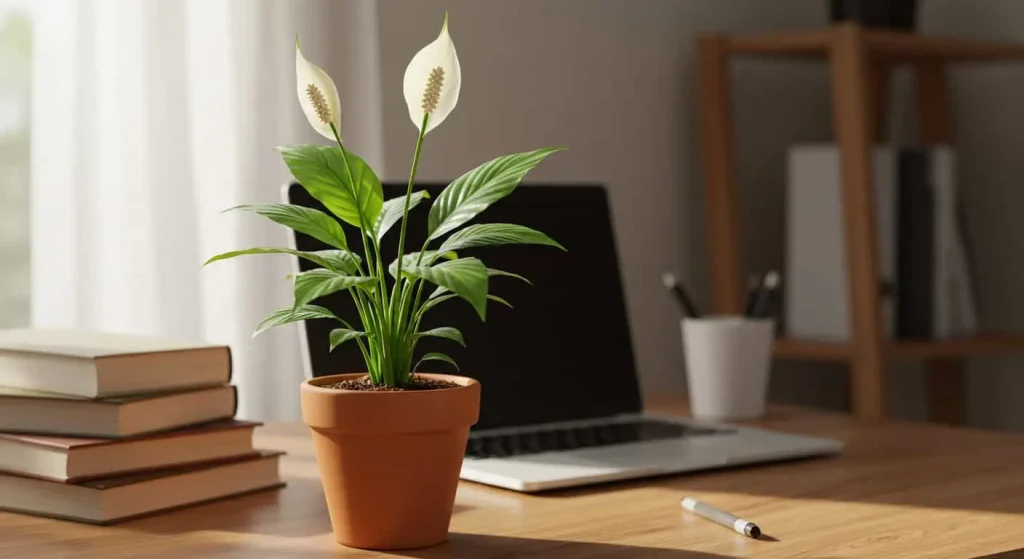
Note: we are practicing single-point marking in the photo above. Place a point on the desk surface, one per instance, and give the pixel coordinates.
(900, 490)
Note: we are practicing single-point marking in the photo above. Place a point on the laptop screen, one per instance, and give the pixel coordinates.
(563, 352)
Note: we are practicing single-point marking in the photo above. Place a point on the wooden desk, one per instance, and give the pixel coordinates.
(901, 490)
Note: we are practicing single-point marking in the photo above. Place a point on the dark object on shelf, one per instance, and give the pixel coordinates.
(915, 204)
(891, 14)
(903, 14)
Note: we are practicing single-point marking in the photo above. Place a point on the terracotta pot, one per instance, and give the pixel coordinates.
(389, 461)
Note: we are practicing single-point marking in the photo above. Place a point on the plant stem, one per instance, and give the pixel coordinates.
(405, 214)
(381, 321)
(359, 342)
(414, 324)
(416, 303)
(360, 302)
(363, 233)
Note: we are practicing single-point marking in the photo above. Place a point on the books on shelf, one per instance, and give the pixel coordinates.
(935, 296)
(926, 284)
(110, 500)
(103, 427)
(122, 416)
(816, 288)
(98, 365)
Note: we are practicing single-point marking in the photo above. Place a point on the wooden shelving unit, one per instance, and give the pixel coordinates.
(809, 350)
(860, 61)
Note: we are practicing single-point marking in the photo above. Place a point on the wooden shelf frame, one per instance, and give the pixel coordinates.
(959, 348)
(894, 47)
(860, 61)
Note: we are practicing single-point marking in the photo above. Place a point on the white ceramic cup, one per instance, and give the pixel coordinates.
(727, 363)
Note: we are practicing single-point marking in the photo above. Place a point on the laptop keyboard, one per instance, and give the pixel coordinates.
(570, 438)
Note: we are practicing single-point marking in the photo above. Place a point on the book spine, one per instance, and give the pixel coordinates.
(944, 313)
(885, 161)
(231, 364)
(969, 296)
(815, 283)
(915, 247)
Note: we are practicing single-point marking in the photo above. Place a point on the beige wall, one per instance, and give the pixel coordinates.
(613, 81)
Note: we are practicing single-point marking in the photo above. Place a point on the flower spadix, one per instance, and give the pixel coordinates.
(318, 95)
(432, 81)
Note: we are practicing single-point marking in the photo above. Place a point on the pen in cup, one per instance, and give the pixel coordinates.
(735, 523)
(685, 303)
(753, 287)
(769, 285)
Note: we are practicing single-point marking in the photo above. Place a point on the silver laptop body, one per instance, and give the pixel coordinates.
(693, 447)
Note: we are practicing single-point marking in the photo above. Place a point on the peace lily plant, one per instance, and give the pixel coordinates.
(391, 300)
(389, 449)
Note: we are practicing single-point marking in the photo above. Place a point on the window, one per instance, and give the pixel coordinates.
(15, 84)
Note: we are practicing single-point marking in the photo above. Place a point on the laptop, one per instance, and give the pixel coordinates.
(560, 403)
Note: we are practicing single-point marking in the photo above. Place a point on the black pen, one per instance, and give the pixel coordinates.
(752, 287)
(764, 294)
(685, 304)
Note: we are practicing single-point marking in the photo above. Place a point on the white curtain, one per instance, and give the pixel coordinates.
(148, 119)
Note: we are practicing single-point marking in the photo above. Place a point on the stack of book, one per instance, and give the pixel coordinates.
(103, 427)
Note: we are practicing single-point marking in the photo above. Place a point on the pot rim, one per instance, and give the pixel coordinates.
(315, 385)
(398, 411)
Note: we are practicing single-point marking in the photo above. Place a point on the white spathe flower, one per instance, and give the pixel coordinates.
(432, 81)
(318, 96)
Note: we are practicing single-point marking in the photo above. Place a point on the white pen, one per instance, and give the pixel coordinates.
(740, 526)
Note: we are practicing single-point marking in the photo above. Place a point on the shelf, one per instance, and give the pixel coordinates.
(908, 46)
(797, 43)
(810, 350)
(860, 63)
(891, 45)
(984, 344)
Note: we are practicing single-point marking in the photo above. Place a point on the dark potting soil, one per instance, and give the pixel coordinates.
(415, 383)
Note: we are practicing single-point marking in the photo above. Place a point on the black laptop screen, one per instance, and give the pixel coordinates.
(564, 352)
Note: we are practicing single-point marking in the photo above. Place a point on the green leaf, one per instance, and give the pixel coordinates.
(446, 332)
(497, 299)
(392, 211)
(338, 260)
(466, 277)
(473, 192)
(231, 254)
(429, 257)
(308, 221)
(342, 335)
(317, 283)
(435, 356)
(437, 292)
(295, 314)
(321, 171)
(440, 290)
(491, 272)
(490, 234)
(434, 301)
